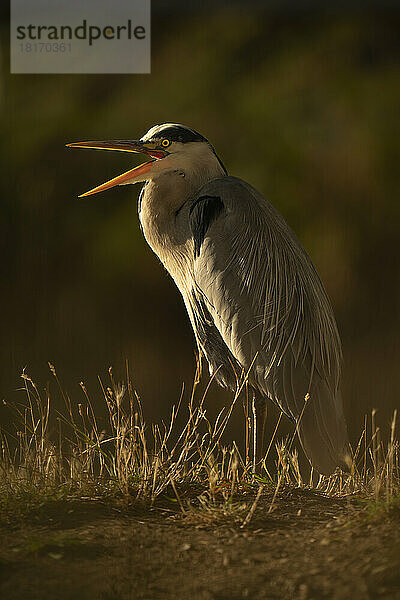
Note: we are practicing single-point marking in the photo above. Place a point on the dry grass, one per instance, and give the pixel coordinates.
(66, 455)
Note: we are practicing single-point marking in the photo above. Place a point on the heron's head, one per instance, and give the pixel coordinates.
(173, 148)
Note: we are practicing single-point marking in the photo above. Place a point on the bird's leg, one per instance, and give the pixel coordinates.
(259, 410)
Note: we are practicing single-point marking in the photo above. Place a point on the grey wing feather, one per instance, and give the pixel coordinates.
(268, 304)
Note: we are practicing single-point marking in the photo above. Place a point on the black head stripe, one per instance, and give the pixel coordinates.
(179, 133)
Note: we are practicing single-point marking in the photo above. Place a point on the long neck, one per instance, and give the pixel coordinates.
(164, 195)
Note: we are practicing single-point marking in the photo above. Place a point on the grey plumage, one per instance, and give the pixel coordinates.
(255, 283)
(254, 298)
(203, 211)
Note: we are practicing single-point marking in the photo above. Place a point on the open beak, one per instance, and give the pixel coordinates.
(123, 146)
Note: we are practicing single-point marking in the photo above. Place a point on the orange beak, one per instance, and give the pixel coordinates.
(123, 146)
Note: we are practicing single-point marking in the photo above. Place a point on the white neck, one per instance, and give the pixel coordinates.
(196, 161)
(174, 180)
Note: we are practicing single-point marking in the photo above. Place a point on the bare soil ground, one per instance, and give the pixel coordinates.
(309, 547)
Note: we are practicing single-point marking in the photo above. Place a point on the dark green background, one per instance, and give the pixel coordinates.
(303, 104)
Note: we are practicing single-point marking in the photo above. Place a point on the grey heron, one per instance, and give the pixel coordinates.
(253, 296)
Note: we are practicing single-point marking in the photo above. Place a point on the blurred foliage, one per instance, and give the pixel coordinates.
(305, 106)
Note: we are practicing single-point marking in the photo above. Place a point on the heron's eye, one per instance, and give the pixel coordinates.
(165, 143)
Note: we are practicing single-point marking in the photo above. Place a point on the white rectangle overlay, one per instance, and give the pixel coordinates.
(80, 36)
